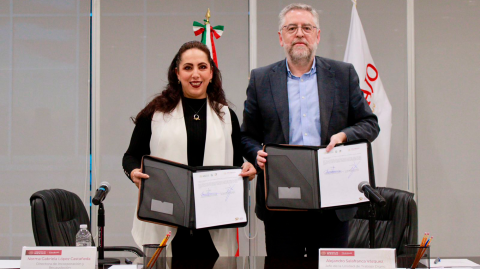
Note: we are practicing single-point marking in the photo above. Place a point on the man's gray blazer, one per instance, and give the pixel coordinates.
(265, 117)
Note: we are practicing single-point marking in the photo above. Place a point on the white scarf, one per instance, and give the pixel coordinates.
(169, 141)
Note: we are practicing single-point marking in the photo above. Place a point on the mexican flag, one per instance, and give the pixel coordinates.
(208, 33)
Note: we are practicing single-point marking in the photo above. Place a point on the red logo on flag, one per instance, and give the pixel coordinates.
(368, 79)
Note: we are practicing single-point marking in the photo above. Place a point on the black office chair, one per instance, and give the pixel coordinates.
(56, 218)
(396, 223)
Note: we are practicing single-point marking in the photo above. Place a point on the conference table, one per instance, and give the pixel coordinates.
(267, 262)
(246, 262)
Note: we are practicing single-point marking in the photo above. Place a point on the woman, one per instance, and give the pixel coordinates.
(189, 123)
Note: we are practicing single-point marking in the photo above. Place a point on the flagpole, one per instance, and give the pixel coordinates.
(95, 110)
(252, 35)
(209, 33)
(412, 119)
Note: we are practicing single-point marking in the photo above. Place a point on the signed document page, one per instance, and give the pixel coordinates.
(218, 198)
(340, 172)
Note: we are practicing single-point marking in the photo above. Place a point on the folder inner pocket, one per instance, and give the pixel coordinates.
(162, 207)
(289, 193)
(289, 177)
(163, 199)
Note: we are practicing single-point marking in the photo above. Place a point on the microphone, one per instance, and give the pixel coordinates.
(371, 193)
(101, 193)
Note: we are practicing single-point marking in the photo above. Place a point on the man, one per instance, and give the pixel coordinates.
(303, 100)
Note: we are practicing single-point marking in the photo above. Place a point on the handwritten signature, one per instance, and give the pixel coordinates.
(332, 170)
(228, 192)
(353, 168)
(208, 193)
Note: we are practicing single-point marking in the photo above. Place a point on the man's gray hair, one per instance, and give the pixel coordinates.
(297, 6)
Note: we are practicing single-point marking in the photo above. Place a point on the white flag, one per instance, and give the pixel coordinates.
(358, 54)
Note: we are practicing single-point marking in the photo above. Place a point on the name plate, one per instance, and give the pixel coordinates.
(357, 258)
(58, 257)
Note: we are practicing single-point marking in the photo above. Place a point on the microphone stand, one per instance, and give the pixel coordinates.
(101, 225)
(371, 223)
(374, 198)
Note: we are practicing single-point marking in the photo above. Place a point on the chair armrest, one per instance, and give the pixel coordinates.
(135, 250)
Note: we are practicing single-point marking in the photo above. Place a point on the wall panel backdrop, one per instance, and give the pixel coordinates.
(44, 72)
(44, 102)
(138, 41)
(447, 78)
(385, 25)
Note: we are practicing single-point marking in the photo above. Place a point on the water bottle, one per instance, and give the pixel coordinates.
(83, 238)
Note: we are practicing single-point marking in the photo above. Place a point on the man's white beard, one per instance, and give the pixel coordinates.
(301, 56)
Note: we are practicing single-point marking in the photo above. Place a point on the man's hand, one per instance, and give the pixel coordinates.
(136, 175)
(261, 158)
(336, 139)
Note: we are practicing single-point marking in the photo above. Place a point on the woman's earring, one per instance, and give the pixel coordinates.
(179, 82)
(210, 81)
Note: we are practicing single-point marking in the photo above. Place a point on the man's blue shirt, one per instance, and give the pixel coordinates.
(304, 108)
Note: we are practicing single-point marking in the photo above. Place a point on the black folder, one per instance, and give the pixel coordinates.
(167, 197)
(292, 177)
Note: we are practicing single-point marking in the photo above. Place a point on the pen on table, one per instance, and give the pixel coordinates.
(437, 260)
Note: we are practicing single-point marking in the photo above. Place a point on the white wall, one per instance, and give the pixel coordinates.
(44, 70)
(448, 76)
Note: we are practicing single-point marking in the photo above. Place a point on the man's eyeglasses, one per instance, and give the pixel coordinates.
(293, 28)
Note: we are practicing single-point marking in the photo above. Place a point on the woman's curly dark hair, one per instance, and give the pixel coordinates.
(168, 99)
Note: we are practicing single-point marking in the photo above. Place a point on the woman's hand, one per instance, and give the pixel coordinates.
(136, 175)
(248, 170)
